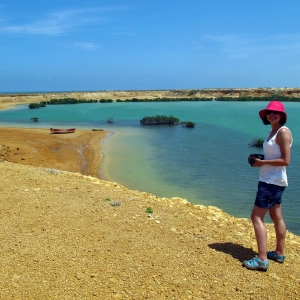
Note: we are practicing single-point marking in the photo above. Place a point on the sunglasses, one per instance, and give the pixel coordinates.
(269, 112)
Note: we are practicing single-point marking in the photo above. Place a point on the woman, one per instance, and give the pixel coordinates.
(272, 182)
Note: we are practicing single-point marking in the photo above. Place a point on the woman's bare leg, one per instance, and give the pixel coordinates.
(280, 228)
(260, 230)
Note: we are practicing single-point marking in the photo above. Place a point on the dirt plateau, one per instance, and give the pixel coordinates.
(66, 234)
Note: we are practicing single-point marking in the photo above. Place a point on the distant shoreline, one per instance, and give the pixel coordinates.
(150, 90)
(8, 100)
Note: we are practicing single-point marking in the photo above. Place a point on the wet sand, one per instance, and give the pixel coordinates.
(65, 235)
(75, 152)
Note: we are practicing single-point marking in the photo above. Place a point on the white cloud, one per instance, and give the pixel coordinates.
(86, 46)
(2, 17)
(42, 29)
(236, 46)
(61, 22)
(145, 80)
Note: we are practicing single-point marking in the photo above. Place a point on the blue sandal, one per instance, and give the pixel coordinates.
(273, 255)
(256, 264)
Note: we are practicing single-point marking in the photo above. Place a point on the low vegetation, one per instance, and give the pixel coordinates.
(105, 101)
(149, 210)
(164, 99)
(37, 105)
(160, 120)
(191, 97)
(66, 101)
(266, 99)
(165, 120)
(188, 124)
(257, 143)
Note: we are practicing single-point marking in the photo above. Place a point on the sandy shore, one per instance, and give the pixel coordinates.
(65, 235)
(75, 152)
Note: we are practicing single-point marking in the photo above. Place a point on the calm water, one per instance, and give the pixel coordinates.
(205, 165)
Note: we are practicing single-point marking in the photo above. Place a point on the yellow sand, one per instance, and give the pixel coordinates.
(65, 235)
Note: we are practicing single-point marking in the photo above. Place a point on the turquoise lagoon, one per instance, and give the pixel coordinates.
(206, 165)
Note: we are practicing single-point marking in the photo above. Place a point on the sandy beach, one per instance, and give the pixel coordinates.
(75, 152)
(66, 234)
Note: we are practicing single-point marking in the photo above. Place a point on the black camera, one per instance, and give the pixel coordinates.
(251, 158)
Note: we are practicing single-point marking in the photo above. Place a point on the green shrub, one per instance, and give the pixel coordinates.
(160, 120)
(257, 143)
(149, 210)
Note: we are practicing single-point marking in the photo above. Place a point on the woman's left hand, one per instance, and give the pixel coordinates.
(258, 162)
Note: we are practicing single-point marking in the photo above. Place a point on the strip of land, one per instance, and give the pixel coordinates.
(13, 99)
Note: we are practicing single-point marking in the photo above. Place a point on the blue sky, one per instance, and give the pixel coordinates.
(148, 44)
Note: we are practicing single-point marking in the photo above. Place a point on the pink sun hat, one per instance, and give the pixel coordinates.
(273, 105)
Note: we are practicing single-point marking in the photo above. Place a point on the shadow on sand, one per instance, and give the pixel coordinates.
(236, 251)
